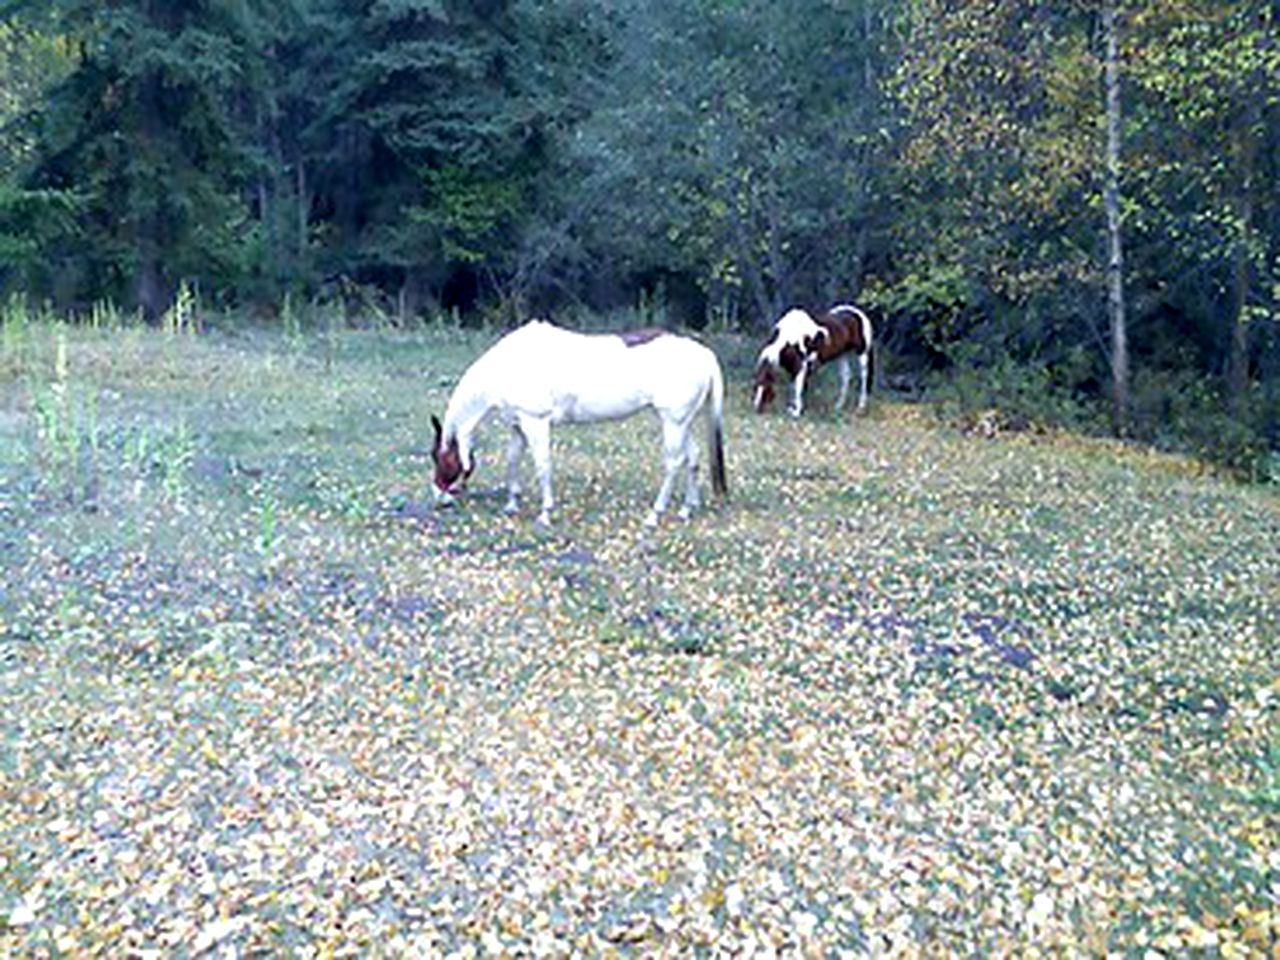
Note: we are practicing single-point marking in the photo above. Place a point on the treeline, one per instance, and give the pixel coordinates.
(1070, 209)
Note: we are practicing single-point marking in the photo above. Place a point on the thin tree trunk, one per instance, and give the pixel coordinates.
(861, 241)
(866, 96)
(1115, 247)
(868, 67)
(148, 281)
(272, 191)
(266, 216)
(1238, 356)
(304, 205)
(148, 287)
(751, 274)
(782, 294)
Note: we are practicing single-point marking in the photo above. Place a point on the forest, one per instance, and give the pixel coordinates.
(1064, 211)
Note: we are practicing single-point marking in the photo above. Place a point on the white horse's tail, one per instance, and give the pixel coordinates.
(715, 431)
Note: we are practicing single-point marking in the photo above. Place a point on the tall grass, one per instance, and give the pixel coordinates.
(183, 316)
(56, 369)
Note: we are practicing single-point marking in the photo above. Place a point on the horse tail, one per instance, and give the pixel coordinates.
(869, 331)
(715, 431)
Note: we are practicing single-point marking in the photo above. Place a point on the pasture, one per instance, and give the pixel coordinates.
(910, 692)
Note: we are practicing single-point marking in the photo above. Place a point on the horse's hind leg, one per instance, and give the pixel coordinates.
(515, 448)
(864, 370)
(673, 456)
(691, 499)
(846, 374)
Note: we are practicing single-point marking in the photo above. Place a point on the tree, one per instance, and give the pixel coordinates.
(32, 59)
(1115, 244)
(997, 172)
(1208, 75)
(140, 131)
(737, 143)
(429, 138)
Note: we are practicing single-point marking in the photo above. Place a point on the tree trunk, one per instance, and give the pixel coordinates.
(751, 273)
(413, 292)
(148, 289)
(266, 217)
(271, 193)
(304, 206)
(1238, 356)
(1245, 150)
(1115, 247)
(782, 293)
(149, 233)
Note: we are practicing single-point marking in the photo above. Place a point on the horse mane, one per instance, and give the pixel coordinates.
(793, 329)
(638, 338)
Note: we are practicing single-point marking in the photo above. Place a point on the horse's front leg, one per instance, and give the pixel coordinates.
(537, 434)
(515, 448)
(797, 388)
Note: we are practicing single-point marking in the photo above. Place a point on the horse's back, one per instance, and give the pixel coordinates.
(545, 370)
(849, 327)
(668, 370)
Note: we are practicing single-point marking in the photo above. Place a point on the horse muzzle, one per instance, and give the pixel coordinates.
(447, 492)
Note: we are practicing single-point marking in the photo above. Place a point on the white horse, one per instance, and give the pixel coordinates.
(540, 374)
(800, 344)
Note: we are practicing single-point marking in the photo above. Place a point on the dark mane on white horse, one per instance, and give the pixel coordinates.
(638, 338)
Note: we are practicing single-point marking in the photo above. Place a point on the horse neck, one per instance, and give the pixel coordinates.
(467, 407)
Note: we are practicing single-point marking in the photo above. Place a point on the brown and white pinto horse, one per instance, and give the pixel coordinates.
(800, 344)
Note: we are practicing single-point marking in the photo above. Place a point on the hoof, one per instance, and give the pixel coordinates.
(651, 519)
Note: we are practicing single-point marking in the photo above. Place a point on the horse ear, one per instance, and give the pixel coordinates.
(435, 422)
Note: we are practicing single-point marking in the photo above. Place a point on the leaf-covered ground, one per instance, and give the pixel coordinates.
(909, 693)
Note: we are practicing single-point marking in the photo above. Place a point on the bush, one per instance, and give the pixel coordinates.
(1183, 410)
(987, 390)
(1020, 395)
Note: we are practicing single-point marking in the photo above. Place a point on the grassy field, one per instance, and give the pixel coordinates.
(910, 692)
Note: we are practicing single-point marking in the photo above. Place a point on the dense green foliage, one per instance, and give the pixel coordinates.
(944, 161)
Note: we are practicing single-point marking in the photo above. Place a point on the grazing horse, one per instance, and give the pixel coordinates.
(800, 344)
(540, 374)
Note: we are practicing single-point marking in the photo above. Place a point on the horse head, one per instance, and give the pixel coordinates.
(451, 472)
(763, 394)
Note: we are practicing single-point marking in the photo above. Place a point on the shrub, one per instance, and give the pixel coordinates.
(1021, 394)
(1183, 410)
